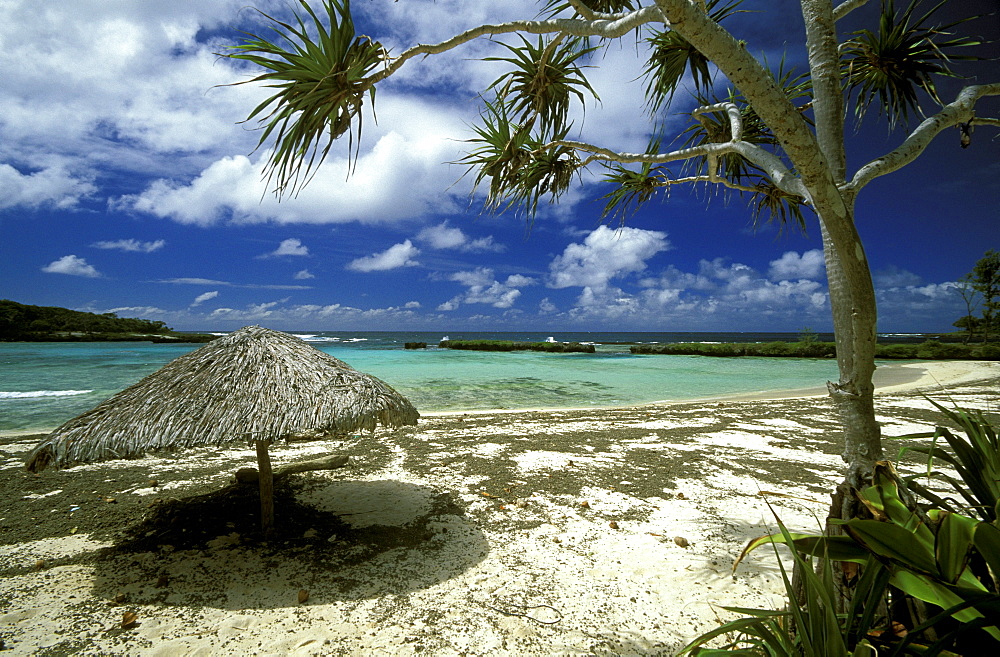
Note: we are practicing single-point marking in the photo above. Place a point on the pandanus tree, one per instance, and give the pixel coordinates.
(760, 132)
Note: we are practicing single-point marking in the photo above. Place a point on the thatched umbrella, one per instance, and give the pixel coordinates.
(252, 386)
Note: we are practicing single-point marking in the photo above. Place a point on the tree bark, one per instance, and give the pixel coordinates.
(853, 307)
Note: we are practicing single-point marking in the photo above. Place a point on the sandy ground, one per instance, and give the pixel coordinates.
(583, 532)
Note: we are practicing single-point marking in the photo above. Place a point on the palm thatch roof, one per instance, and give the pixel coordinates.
(254, 384)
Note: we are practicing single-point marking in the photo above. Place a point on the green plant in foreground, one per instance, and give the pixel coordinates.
(976, 458)
(943, 559)
(813, 628)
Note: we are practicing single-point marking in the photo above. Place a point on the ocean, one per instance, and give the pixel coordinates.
(43, 385)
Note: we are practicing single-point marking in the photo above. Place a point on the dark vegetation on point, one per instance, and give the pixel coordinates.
(20, 322)
(929, 350)
(507, 345)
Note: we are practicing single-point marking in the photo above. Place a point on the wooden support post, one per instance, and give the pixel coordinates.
(251, 476)
(266, 489)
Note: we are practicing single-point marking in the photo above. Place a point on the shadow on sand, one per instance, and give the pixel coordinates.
(338, 540)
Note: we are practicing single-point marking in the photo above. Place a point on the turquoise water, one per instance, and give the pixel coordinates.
(44, 384)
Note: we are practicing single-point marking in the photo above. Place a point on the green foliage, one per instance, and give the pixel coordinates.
(942, 558)
(891, 64)
(766, 200)
(321, 86)
(813, 348)
(542, 79)
(975, 457)
(804, 349)
(519, 168)
(23, 322)
(985, 279)
(508, 345)
(631, 189)
(808, 335)
(553, 7)
(671, 54)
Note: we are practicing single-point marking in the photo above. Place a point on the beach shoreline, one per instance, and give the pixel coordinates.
(598, 532)
(889, 377)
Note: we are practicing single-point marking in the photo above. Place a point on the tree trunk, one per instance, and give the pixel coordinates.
(852, 303)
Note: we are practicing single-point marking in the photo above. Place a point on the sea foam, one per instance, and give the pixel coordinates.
(42, 393)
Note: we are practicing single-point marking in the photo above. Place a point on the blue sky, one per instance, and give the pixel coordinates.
(128, 185)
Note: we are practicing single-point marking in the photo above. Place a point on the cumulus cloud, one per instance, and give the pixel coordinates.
(202, 298)
(53, 186)
(289, 247)
(303, 275)
(134, 246)
(90, 83)
(396, 256)
(443, 236)
(72, 266)
(605, 254)
(699, 300)
(892, 276)
(484, 288)
(792, 266)
(401, 176)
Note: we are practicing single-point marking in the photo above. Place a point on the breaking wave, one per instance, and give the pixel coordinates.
(42, 393)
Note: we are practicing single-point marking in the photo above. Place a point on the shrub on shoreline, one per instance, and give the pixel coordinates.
(509, 345)
(929, 350)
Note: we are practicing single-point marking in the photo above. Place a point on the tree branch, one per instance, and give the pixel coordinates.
(608, 28)
(847, 7)
(959, 111)
(767, 98)
(770, 163)
(824, 69)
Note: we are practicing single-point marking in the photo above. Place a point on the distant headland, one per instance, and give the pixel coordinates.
(24, 323)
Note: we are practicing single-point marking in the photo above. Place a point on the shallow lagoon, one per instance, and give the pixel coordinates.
(45, 384)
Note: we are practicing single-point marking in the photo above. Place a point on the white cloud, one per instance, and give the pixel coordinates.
(52, 186)
(546, 307)
(202, 298)
(72, 266)
(480, 276)
(605, 254)
(250, 286)
(91, 83)
(485, 289)
(303, 275)
(398, 255)
(443, 236)
(518, 280)
(892, 277)
(131, 245)
(403, 175)
(289, 247)
(792, 266)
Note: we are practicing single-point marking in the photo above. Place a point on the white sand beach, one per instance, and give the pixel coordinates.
(569, 532)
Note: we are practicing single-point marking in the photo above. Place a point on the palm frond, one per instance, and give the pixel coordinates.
(321, 86)
(768, 202)
(671, 55)
(553, 7)
(714, 127)
(544, 76)
(633, 188)
(517, 164)
(889, 66)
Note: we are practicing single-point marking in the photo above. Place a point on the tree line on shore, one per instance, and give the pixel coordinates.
(980, 289)
(22, 322)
